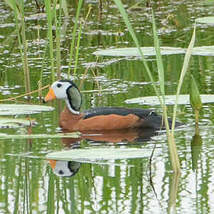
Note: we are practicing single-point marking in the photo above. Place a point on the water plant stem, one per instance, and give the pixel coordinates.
(24, 57)
(74, 36)
(58, 36)
(132, 33)
(77, 48)
(25, 94)
(18, 9)
(182, 75)
(160, 92)
(50, 36)
(171, 141)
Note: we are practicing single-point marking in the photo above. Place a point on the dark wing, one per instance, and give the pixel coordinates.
(141, 113)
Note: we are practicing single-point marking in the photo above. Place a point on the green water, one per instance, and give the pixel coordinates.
(146, 185)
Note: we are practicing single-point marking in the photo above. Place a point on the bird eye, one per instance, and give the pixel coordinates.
(61, 172)
(58, 85)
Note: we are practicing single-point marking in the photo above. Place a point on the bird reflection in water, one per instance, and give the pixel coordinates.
(70, 168)
(64, 168)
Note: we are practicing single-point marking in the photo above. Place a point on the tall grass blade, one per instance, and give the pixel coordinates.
(50, 36)
(160, 93)
(182, 75)
(131, 31)
(158, 57)
(64, 7)
(82, 24)
(77, 48)
(171, 142)
(18, 9)
(74, 36)
(195, 99)
(25, 58)
(58, 36)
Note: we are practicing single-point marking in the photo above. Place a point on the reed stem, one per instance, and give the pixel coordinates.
(24, 57)
(50, 36)
(18, 9)
(182, 75)
(160, 92)
(58, 36)
(74, 36)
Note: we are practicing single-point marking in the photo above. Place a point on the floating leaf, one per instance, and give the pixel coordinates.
(99, 154)
(203, 51)
(170, 99)
(18, 109)
(206, 20)
(41, 136)
(150, 51)
(133, 52)
(14, 123)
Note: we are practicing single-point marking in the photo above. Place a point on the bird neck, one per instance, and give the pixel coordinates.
(70, 107)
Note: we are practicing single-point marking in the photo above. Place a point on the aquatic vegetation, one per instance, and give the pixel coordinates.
(195, 99)
(74, 32)
(160, 91)
(183, 99)
(23, 109)
(18, 9)
(99, 154)
(106, 185)
(134, 52)
(15, 123)
(150, 51)
(37, 136)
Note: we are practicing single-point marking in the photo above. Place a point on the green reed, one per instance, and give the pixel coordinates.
(160, 91)
(58, 35)
(195, 101)
(54, 18)
(18, 9)
(74, 32)
(50, 15)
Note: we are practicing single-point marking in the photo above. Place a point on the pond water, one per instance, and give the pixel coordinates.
(141, 185)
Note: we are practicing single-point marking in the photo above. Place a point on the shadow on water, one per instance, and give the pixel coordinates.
(114, 136)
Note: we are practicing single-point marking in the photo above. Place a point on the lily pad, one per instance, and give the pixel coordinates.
(203, 51)
(99, 154)
(20, 109)
(206, 20)
(133, 52)
(170, 99)
(41, 136)
(150, 51)
(15, 123)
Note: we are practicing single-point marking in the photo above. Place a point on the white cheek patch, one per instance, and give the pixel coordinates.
(61, 169)
(60, 92)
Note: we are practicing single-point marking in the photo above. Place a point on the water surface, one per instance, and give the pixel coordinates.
(145, 185)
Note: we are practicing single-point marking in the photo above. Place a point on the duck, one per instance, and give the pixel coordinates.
(100, 118)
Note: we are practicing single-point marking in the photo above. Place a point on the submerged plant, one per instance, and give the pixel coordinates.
(18, 9)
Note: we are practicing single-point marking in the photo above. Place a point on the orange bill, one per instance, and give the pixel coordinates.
(52, 163)
(50, 95)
